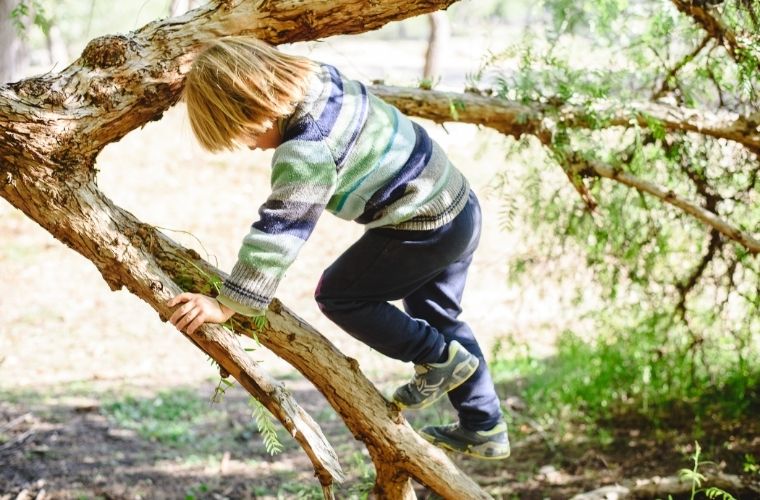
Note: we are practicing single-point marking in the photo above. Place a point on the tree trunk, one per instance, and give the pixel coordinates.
(13, 51)
(51, 130)
(437, 41)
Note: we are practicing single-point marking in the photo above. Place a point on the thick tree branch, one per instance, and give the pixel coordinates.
(88, 222)
(396, 449)
(121, 82)
(515, 119)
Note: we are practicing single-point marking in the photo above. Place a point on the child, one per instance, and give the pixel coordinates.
(341, 149)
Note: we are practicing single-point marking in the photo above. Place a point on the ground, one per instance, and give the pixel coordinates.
(99, 399)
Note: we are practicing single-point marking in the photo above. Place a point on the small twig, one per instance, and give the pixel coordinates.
(665, 87)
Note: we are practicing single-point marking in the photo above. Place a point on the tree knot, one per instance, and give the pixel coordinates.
(106, 51)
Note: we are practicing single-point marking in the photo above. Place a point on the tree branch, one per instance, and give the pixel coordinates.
(734, 43)
(120, 82)
(707, 217)
(513, 118)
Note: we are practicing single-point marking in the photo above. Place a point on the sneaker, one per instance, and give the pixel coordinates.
(491, 444)
(433, 380)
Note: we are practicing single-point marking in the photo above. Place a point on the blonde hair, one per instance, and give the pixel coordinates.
(240, 85)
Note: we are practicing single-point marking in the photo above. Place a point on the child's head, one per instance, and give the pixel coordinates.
(239, 86)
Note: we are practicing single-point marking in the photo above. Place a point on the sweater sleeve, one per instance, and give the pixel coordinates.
(304, 177)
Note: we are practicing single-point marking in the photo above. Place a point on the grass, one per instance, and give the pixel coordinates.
(169, 417)
(615, 374)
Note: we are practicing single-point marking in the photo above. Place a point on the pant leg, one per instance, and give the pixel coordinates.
(388, 264)
(438, 302)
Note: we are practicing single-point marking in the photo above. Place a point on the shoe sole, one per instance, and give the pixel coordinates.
(468, 451)
(449, 388)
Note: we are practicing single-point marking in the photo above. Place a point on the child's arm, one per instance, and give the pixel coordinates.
(303, 180)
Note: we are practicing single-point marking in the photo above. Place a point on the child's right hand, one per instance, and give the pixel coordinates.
(196, 310)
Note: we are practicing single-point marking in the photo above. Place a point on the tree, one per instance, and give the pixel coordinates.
(52, 128)
(437, 40)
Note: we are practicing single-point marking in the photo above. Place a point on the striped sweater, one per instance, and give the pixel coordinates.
(348, 152)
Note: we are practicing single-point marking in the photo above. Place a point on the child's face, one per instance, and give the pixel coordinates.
(268, 140)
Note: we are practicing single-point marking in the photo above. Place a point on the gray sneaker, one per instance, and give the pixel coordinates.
(491, 444)
(433, 380)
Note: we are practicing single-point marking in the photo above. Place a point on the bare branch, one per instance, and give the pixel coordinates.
(707, 217)
(690, 282)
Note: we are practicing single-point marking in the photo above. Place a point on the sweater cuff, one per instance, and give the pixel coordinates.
(239, 308)
(248, 287)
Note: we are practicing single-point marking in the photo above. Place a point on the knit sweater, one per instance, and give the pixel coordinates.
(345, 151)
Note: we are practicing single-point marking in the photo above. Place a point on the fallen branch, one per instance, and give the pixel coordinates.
(13, 423)
(17, 441)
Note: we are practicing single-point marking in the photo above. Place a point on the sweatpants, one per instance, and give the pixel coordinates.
(427, 270)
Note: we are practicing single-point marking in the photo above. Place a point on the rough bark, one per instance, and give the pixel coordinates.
(51, 129)
(515, 119)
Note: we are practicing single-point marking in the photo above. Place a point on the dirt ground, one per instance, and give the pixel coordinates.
(83, 370)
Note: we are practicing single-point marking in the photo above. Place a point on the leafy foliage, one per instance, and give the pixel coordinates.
(31, 10)
(267, 427)
(696, 479)
(675, 311)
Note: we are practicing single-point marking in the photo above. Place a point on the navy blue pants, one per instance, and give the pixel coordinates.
(427, 269)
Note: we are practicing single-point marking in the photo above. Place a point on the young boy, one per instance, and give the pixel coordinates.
(341, 149)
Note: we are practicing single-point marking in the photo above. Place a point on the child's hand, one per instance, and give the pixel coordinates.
(197, 309)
